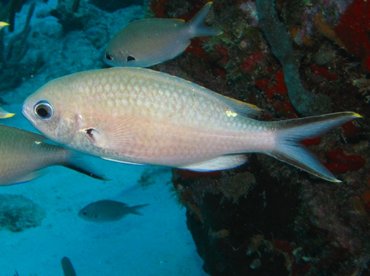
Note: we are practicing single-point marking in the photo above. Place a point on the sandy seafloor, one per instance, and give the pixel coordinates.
(156, 243)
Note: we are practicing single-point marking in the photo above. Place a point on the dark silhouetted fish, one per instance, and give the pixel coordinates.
(108, 210)
(67, 266)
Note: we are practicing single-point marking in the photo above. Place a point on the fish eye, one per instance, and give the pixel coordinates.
(130, 58)
(43, 110)
(108, 56)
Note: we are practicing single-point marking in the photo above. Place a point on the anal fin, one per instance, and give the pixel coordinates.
(120, 161)
(217, 164)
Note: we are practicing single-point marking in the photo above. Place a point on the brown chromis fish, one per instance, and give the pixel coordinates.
(5, 114)
(138, 115)
(146, 42)
(67, 266)
(108, 210)
(23, 154)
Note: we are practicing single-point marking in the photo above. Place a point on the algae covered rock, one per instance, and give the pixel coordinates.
(18, 213)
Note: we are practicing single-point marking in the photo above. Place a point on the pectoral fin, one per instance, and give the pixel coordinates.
(95, 136)
(26, 178)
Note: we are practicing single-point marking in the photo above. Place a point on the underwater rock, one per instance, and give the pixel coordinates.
(18, 213)
(231, 226)
(356, 21)
(67, 14)
(113, 5)
(282, 225)
(305, 102)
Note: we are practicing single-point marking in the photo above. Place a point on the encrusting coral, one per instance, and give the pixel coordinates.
(18, 213)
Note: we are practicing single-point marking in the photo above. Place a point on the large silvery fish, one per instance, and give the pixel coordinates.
(142, 116)
(108, 210)
(23, 154)
(147, 42)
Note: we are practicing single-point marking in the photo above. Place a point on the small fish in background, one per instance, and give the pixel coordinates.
(23, 154)
(108, 210)
(3, 24)
(149, 117)
(67, 266)
(5, 114)
(146, 42)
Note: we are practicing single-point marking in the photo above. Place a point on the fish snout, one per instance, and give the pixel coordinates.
(26, 111)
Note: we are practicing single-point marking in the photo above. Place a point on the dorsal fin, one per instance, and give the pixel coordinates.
(240, 107)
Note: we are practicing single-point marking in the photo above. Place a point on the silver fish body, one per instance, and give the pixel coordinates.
(23, 154)
(146, 42)
(142, 116)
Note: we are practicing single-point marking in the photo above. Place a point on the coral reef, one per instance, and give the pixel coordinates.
(13, 70)
(267, 218)
(8, 11)
(67, 14)
(55, 46)
(18, 213)
(113, 5)
(358, 43)
(303, 101)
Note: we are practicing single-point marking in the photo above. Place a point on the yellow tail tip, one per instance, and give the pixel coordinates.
(3, 24)
(356, 115)
(7, 115)
(209, 3)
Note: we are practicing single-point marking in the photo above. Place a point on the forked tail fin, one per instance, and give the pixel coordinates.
(290, 132)
(197, 27)
(135, 209)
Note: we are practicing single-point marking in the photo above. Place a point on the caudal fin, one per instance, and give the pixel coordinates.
(135, 209)
(196, 24)
(290, 132)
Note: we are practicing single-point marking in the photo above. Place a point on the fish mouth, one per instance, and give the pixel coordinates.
(27, 112)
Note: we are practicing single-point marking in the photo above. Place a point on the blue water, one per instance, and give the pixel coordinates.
(156, 243)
